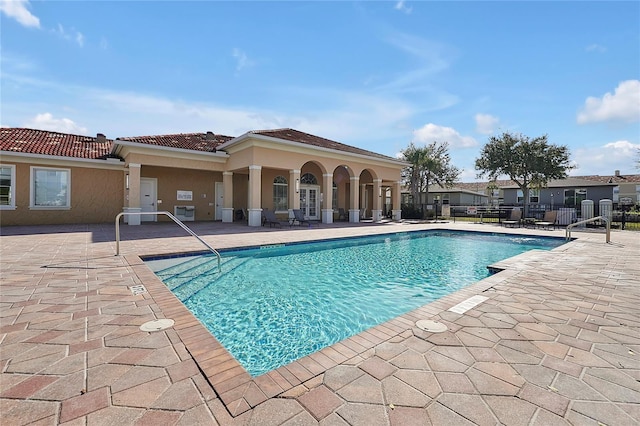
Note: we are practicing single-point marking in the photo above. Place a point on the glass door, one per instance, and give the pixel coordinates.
(310, 202)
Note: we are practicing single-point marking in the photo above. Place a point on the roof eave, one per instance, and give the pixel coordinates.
(123, 142)
(249, 135)
(111, 161)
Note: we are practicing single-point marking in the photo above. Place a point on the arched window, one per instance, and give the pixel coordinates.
(308, 179)
(280, 194)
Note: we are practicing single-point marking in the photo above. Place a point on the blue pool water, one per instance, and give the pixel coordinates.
(275, 304)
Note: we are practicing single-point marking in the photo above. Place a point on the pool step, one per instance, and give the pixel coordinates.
(191, 268)
(185, 287)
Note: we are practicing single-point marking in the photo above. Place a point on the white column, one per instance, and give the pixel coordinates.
(396, 212)
(227, 200)
(255, 195)
(327, 198)
(377, 200)
(133, 194)
(354, 211)
(294, 191)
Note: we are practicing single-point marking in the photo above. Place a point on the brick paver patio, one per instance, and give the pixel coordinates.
(556, 342)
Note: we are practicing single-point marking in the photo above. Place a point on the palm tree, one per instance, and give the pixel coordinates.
(428, 164)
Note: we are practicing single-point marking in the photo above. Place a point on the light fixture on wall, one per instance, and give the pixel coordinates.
(297, 186)
(126, 181)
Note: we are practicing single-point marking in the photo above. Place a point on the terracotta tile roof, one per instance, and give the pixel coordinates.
(305, 138)
(205, 142)
(30, 141)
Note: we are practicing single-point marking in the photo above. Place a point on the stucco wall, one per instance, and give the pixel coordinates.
(240, 191)
(170, 180)
(96, 197)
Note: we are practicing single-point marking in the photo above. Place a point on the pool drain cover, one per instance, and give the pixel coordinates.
(157, 325)
(431, 326)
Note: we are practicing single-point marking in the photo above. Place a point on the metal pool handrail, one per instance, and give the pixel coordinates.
(567, 235)
(172, 217)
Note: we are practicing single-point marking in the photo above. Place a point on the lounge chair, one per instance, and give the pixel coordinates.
(299, 217)
(514, 219)
(549, 219)
(270, 217)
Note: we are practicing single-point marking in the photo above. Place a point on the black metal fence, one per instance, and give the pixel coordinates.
(628, 219)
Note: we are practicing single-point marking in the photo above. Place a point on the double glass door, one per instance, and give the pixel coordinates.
(310, 201)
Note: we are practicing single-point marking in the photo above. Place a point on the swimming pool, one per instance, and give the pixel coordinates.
(275, 304)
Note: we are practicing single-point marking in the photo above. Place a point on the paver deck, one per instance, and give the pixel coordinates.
(557, 340)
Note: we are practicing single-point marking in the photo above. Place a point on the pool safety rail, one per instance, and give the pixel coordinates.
(593, 219)
(172, 217)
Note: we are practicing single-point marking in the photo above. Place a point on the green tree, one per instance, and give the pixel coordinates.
(530, 162)
(429, 164)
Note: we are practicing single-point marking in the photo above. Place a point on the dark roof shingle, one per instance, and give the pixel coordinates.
(30, 141)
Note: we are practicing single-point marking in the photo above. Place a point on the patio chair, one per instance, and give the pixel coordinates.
(342, 215)
(270, 217)
(549, 219)
(299, 217)
(514, 218)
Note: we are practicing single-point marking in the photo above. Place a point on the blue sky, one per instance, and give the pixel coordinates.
(373, 74)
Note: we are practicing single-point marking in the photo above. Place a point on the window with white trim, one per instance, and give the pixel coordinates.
(574, 197)
(7, 187)
(50, 188)
(280, 194)
(534, 196)
(308, 179)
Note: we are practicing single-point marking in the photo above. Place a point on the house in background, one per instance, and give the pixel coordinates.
(615, 187)
(627, 191)
(569, 192)
(457, 195)
(49, 177)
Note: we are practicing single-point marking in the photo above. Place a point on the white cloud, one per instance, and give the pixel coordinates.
(401, 6)
(18, 10)
(605, 159)
(242, 60)
(432, 132)
(623, 105)
(71, 35)
(596, 48)
(46, 121)
(104, 44)
(486, 123)
(79, 39)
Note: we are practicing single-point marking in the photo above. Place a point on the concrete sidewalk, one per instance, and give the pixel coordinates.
(556, 342)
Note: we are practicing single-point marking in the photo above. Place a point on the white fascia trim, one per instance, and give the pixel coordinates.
(119, 142)
(299, 144)
(234, 140)
(84, 162)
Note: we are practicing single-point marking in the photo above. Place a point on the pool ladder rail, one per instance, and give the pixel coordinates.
(172, 217)
(593, 219)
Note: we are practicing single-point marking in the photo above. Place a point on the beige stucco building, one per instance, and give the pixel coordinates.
(49, 178)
